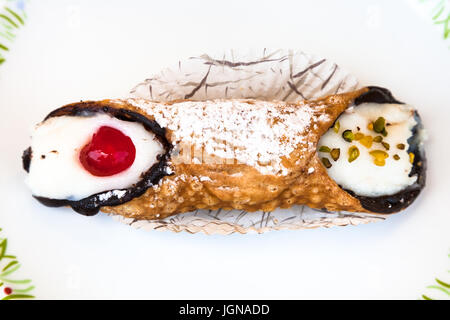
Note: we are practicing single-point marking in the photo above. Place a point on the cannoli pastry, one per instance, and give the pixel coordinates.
(360, 151)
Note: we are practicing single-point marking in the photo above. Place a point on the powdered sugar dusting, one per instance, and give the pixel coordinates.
(256, 133)
(117, 193)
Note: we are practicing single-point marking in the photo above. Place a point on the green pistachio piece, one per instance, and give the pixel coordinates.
(366, 141)
(324, 149)
(326, 163)
(336, 126)
(379, 125)
(379, 157)
(348, 135)
(353, 153)
(359, 136)
(378, 139)
(411, 157)
(335, 153)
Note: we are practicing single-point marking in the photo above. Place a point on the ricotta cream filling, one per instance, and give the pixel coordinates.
(55, 170)
(362, 176)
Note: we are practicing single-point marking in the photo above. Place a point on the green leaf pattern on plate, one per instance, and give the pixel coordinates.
(440, 14)
(440, 286)
(12, 18)
(11, 287)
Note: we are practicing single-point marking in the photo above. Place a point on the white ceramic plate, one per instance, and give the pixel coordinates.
(68, 51)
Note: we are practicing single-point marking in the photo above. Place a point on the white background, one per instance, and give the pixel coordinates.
(78, 50)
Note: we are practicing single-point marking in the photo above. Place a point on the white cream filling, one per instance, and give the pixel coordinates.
(55, 170)
(362, 176)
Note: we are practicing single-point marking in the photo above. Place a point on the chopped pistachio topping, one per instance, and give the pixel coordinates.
(366, 141)
(326, 163)
(379, 125)
(386, 145)
(411, 157)
(324, 149)
(401, 146)
(348, 135)
(396, 157)
(379, 157)
(378, 139)
(353, 153)
(335, 153)
(336, 126)
(384, 132)
(359, 136)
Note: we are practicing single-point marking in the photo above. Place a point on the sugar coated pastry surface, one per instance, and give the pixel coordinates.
(252, 132)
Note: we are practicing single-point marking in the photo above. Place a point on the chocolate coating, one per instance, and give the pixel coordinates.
(402, 199)
(91, 205)
(26, 159)
(376, 95)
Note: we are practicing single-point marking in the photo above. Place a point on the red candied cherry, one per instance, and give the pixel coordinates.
(7, 291)
(108, 153)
